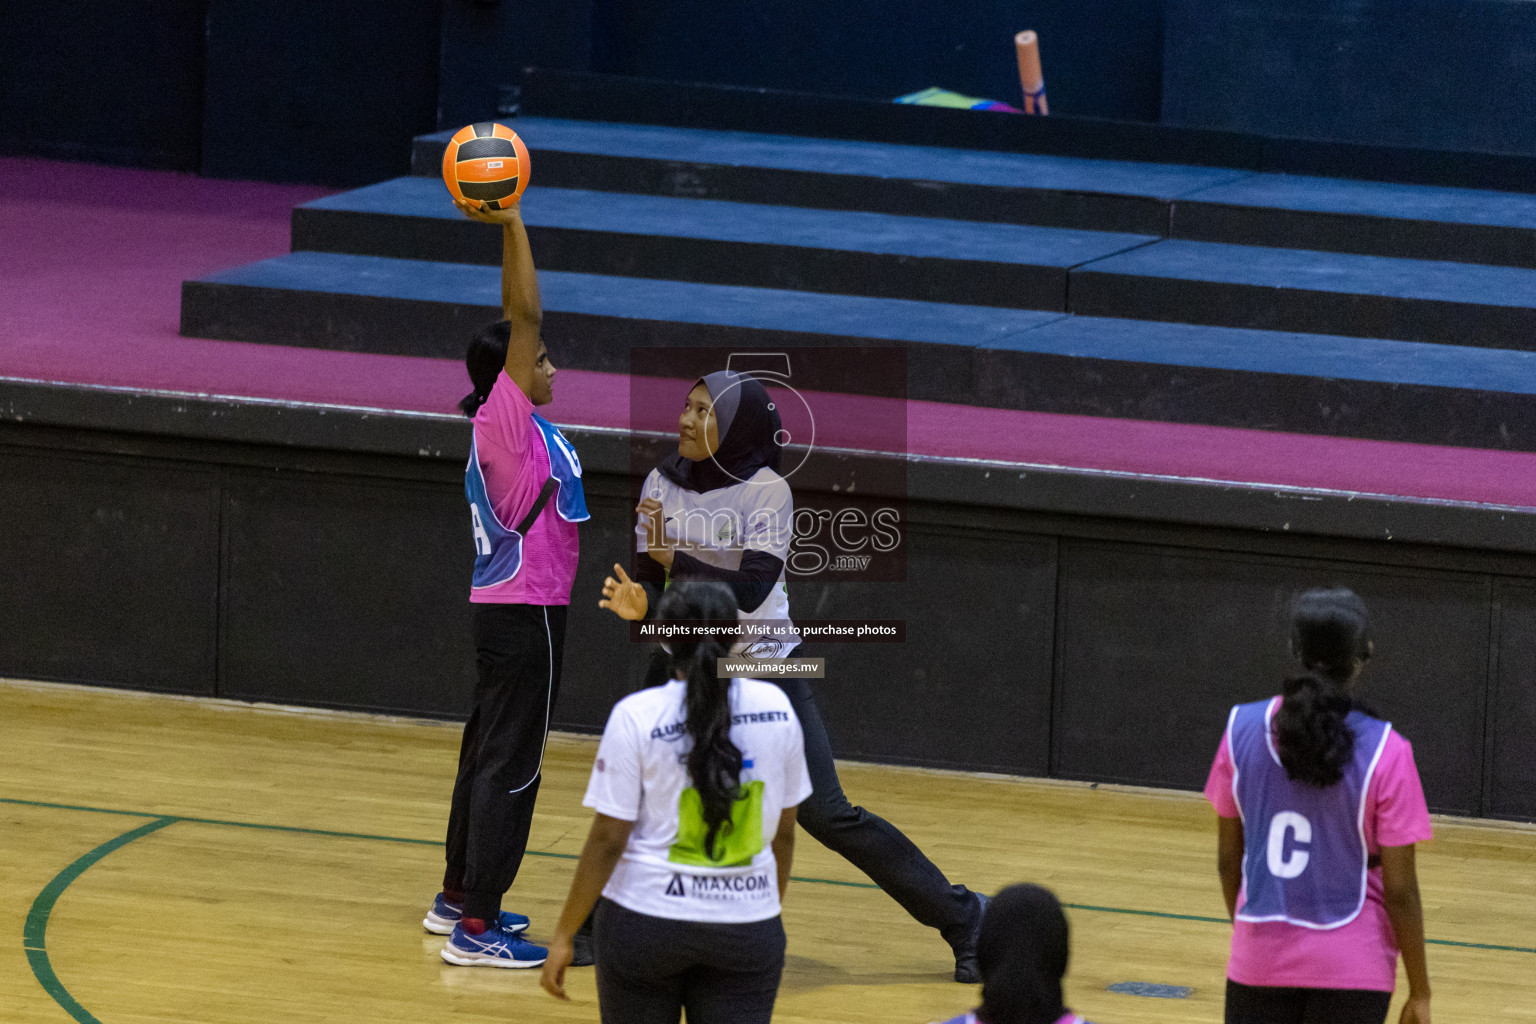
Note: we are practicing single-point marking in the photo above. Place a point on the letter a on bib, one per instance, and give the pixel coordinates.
(499, 547)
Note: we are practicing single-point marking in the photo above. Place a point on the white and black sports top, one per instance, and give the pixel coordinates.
(714, 531)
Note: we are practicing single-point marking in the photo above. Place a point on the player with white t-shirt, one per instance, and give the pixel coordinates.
(695, 786)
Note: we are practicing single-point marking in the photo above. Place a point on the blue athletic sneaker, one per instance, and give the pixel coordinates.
(443, 916)
(491, 948)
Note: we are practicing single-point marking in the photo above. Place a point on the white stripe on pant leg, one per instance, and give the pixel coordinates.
(549, 695)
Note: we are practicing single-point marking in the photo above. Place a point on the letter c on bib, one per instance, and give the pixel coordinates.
(1283, 863)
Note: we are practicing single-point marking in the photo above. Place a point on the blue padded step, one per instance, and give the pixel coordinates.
(409, 307)
(1207, 204)
(1267, 380)
(971, 355)
(1316, 292)
(1411, 221)
(717, 242)
(1105, 195)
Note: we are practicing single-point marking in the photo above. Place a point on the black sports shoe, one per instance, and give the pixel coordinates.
(582, 954)
(966, 970)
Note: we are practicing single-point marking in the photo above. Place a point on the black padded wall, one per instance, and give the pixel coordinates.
(109, 571)
(325, 92)
(601, 664)
(1155, 645)
(1440, 74)
(486, 46)
(1101, 58)
(118, 81)
(1086, 646)
(1512, 753)
(347, 592)
(979, 613)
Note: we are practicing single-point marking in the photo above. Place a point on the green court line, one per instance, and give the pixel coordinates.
(75, 807)
(237, 824)
(1149, 913)
(34, 935)
(1479, 945)
(1165, 915)
(328, 833)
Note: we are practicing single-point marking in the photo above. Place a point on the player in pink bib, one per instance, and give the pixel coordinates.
(523, 484)
(1320, 806)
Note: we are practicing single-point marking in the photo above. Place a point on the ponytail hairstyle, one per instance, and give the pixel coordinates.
(1022, 955)
(486, 355)
(714, 762)
(1330, 634)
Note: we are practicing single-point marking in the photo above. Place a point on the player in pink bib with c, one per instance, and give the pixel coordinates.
(1320, 806)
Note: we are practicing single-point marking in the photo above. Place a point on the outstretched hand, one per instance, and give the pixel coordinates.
(476, 210)
(624, 597)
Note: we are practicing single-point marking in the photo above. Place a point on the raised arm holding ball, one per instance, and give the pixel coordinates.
(523, 482)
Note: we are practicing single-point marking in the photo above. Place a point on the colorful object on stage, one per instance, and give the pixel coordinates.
(486, 162)
(944, 98)
(1031, 77)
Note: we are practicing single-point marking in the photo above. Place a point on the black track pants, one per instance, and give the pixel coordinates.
(518, 653)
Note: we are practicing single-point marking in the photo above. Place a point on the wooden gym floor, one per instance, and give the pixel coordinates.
(166, 859)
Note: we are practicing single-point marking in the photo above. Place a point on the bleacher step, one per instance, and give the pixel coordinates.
(1017, 188)
(718, 242)
(1004, 358)
(1316, 292)
(1370, 218)
(1197, 203)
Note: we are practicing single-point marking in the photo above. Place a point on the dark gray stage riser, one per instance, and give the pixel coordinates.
(910, 197)
(1352, 233)
(1180, 218)
(1072, 646)
(1218, 304)
(1370, 410)
(586, 96)
(704, 261)
(358, 323)
(996, 378)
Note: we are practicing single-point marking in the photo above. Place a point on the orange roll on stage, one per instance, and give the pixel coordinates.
(1031, 77)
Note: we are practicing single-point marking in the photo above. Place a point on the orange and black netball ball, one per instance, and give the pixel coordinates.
(486, 162)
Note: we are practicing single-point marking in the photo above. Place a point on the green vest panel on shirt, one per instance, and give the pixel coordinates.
(739, 840)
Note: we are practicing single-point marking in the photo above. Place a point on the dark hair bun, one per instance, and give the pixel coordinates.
(1330, 633)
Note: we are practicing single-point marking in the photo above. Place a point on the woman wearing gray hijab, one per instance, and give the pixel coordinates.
(718, 510)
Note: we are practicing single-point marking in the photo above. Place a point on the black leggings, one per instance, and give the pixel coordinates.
(651, 969)
(1252, 1004)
